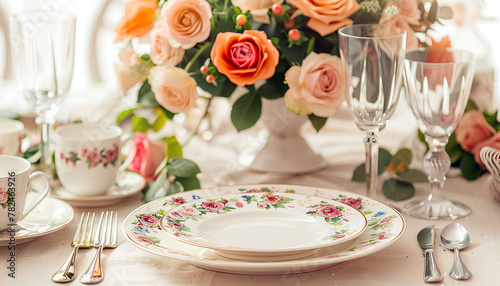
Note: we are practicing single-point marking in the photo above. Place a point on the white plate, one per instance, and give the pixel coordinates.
(141, 228)
(264, 226)
(127, 184)
(49, 216)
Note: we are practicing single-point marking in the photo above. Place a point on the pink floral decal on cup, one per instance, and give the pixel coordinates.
(92, 158)
(4, 197)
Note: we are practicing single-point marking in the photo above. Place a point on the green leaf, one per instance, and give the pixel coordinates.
(174, 188)
(397, 190)
(402, 156)
(413, 176)
(159, 122)
(317, 122)
(140, 123)
(246, 111)
(181, 167)
(124, 114)
(145, 96)
(191, 183)
(274, 87)
(453, 149)
(174, 148)
(470, 169)
(156, 190)
(384, 158)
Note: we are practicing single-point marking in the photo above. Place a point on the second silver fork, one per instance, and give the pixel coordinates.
(106, 235)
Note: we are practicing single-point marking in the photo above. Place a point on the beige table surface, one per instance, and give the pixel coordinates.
(340, 144)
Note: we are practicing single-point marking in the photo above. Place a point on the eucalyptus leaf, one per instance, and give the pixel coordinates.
(398, 190)
(384, 159)
(181, 167)
(402, 156)
(359, 174)
(413, 176)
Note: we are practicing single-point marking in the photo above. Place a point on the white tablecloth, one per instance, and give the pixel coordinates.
(341, 145)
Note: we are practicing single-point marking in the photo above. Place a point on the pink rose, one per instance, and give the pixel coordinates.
(316, 87)
(328, 211)
(272, 199)
(147, 156)
(493, 142)
(173, 88)
(93, 157)
(384, 235)
(189, 211)
(261, 206)
(176, 225)
(327, 16)
(146, 240)
(385, 221)
(3, 196)
(258, 8)
(473, 129)
(175, 215)
(178, 201)
(213, 207)
(186, 22)
(340, 235)
(239, 204)
(161, 51)
(149, 220)
(351, 202)
(111, 155)
(85, 152)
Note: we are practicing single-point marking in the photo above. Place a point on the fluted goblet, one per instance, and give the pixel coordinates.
(438, 83)
(43, 54)
(372, 59)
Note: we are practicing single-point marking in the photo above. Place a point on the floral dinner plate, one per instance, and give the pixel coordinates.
(127, 184)
(142, 229)
(264, 226)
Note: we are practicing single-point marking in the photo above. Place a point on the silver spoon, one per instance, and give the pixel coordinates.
(455, 237)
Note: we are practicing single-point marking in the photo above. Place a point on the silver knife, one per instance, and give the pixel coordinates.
(426, 240)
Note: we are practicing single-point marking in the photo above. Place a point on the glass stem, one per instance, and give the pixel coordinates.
(371, 166)
(45, 124)
(437, 164)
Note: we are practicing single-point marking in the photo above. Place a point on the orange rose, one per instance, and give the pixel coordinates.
(472, 130)
(437, 73)
(327, 16)
(244, 58)
(138, 19)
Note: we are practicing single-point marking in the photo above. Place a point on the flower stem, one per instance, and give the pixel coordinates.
(197, 55)
(196, 129)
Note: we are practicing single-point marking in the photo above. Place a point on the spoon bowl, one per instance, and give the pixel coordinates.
(454, 236)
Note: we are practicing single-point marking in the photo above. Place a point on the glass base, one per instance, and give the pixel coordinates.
(436, 210)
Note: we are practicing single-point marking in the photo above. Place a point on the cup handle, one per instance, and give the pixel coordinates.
(130, 156)
(42, 196)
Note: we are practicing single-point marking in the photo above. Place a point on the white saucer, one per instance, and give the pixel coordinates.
(127, 184)
(49, 216)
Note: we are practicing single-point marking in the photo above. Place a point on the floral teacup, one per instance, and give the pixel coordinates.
(11, 136)
(87, 157)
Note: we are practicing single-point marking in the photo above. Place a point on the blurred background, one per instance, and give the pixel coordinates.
(475, 26)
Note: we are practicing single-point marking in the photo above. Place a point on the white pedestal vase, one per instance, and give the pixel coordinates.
(285, 151)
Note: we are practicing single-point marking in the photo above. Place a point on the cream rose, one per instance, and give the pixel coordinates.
(161, 51)
(186, 22)
(258, 8)
(173, 88)
(316, 87)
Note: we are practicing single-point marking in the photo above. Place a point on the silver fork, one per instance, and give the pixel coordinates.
(106, 236)
(82, 239)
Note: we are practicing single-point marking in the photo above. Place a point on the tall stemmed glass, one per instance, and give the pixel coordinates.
(43, 53)
(372, 58)
(438, 83)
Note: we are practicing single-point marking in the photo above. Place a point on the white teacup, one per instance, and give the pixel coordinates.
(88, 157)
(15, 183)
(11, 136)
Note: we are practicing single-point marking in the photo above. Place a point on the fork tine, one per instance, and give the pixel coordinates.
(87, 231)
(114, 236)
(78, 237)
(97, 235)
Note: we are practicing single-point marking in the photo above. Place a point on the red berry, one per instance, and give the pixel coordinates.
(294, 34)
(290, 24)
(277, 9)
(241, 19)
(203, 69)
(210, 78)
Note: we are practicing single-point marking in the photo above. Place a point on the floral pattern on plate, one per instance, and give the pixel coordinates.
(385, 226)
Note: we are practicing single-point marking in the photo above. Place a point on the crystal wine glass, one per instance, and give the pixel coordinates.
(372, 59)
(43, 54)
(438, 82)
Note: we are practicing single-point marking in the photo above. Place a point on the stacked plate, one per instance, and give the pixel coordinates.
(263, 229)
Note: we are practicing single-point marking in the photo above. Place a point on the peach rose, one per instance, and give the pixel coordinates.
(473, 129)
(147, 156)
(138, 19)
(316, 87)
(161, 51)
(173, 88)
(123, 70)
(258, 8)
(327, 16)
(400, 21)
(244, 58)
(408, 9)
(493, 142)
(186, 22)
